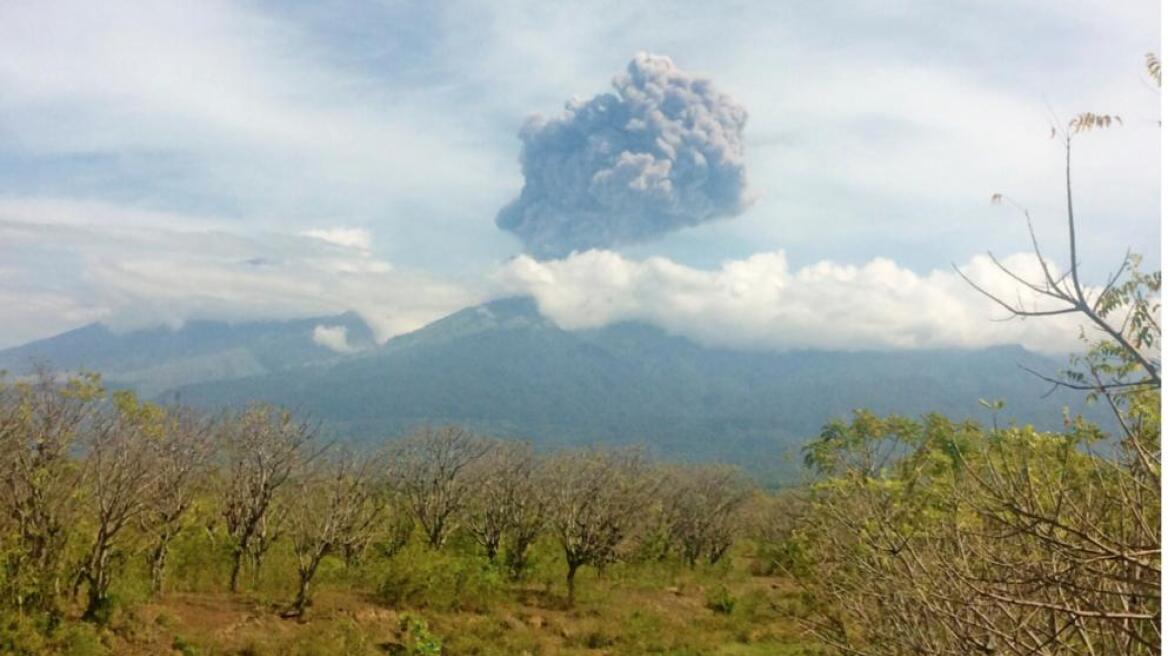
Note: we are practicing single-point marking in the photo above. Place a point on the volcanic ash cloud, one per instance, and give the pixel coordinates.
(662, 153)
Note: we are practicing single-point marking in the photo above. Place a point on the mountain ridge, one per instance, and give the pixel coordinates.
(503, 368)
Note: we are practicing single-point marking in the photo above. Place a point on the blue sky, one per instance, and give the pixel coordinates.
(163, 161)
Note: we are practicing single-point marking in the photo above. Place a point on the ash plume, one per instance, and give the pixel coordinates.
(663, 152)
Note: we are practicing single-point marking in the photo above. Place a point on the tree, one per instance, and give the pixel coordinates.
(185, 449)
(335, 506)
(41, 421)
(1129, 295)
(594, 500)
(946, 538)
(122, 462)
(431, 469)
(264, 447)
(507, 511)
(701, 503)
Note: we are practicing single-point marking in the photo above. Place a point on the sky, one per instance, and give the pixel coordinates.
(770, 175)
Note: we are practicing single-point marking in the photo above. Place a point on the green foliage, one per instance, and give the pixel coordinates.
(81, 640)
(720, 600)
(419, 641)
(185, 648)
(906, 514)
(21, 635)
(422, 577)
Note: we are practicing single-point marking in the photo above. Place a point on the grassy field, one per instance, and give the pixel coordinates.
(454, 602)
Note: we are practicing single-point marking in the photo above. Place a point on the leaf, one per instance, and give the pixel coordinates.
(1090, 121)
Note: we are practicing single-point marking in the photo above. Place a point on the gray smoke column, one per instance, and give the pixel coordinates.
(662, 153)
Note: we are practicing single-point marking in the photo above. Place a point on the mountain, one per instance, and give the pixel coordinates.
(159, 359)
(504, 369)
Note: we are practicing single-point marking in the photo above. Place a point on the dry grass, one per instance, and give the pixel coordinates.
(632, 610)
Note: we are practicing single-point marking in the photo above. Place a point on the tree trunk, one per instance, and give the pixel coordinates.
(303, 592)
(158, 564)
(572, 567)
(236, 565)
(517, 560)
(257, 564)
(434, 536)
(98, 579)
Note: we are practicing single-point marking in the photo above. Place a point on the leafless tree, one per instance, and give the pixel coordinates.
(702, 503)
(263, 447)
(1122, 311)
(185, 449)
(334, 507)
(507, 510)
(41, 421)
(594, 500)
(431, 469)
(122, 461)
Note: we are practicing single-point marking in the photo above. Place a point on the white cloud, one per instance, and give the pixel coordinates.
(874, 130)
(234, 106)
(358, 238)
(761, 303)
(335, 338)
(64, 255)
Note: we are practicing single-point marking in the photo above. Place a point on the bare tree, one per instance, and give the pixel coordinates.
(431, 469)
(335, 507)
(185, 449)
(122, 461)
(702, 504)
(263, 447)
(507, 510)
(594, 500)
(41, 421)
(1122, 310)
(390, 535)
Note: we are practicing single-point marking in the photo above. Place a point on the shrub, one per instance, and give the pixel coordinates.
(720, 600)
(185, 648)
(21, 635)
(422, 577)
(81, 640)
(418, 639)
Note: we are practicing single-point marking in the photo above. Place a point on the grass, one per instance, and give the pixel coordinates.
(455, 602)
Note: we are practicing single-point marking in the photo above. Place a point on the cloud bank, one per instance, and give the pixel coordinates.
(662, 153)
(64, 264)
(761, 303)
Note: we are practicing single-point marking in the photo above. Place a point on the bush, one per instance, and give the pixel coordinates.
(81, 640)
(421, 577)
(21, 635)
(720, 600)
(185, 648)
(419, 641)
